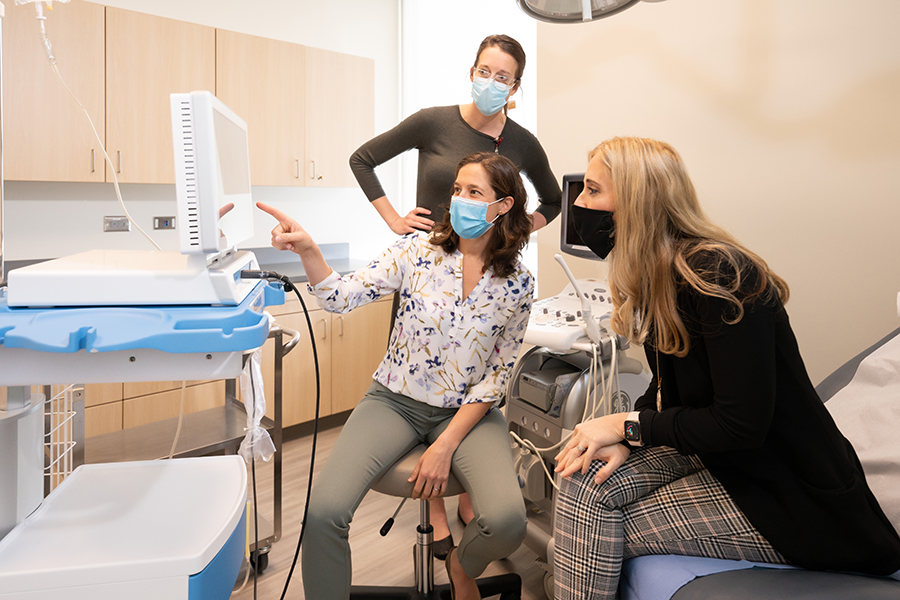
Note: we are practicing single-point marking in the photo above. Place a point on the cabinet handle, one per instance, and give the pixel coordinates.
(315, 175)
(93, 160)
(341, 320)
(297, 168)
(324, 329)
(119, 167)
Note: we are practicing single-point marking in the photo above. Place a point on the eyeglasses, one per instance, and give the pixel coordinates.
(503, 80)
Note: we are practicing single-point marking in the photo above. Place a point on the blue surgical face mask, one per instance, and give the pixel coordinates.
(469, 217)
(489, 96)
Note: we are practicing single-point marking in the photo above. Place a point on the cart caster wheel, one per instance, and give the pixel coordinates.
(259, 562)
(548, 585)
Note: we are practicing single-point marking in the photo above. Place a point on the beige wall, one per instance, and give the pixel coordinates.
(788, 117)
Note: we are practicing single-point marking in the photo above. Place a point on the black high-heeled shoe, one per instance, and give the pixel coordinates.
(441, 548)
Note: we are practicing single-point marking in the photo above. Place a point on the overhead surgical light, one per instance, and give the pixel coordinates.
(574, 11)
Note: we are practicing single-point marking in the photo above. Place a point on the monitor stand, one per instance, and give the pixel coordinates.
(133, 278)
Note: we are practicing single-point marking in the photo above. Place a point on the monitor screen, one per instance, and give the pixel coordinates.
(569, 241)
(212, 174)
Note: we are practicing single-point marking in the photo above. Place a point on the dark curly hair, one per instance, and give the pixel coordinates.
(510, 232)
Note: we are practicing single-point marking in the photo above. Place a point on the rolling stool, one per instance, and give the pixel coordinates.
(394, 483)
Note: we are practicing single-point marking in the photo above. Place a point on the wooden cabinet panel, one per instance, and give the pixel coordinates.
(292, 305)
(105, 418)
(147, 59)
(145, 388)
(350, 347)
(262, 81)
(46, 136)
(340, 115)
(359, 344)
(96, 394)
(298, 397)
(165, 405)
(307, 109)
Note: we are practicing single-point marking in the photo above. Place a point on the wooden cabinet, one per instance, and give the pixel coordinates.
(262, 80)
(350, 348)
(166, 405)
(114, 406)
(359, 342)
(340, 89)
(46, 136)
(147, 59)
(124, 84)
(306, 109)
(102, 408)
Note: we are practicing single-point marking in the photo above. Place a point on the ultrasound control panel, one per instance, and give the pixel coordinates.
(558, 322)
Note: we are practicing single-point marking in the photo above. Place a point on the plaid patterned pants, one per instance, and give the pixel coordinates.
(658, 502)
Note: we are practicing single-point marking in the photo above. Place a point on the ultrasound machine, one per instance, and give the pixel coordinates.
(575, 371)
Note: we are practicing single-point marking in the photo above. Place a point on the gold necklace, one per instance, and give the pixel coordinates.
(658, 384)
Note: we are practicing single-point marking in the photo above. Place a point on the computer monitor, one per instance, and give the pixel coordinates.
(212, 170)
(569, 240)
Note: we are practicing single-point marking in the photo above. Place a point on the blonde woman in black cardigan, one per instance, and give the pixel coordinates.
(730, 453)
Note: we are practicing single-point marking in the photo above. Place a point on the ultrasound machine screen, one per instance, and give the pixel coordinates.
(569, 240)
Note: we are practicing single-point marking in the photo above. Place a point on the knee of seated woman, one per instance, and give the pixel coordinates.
(325, 512)
(508, 526)
(623, 487)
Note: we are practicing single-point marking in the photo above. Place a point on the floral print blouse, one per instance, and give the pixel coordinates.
(445, 350)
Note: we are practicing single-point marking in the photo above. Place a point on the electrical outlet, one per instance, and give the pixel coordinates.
(163, 222)
(116, 224)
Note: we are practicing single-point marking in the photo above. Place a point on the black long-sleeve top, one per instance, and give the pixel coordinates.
(443, 138)
(742, 401)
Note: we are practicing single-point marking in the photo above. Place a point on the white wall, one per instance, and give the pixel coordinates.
(786, 114)
(45, 220)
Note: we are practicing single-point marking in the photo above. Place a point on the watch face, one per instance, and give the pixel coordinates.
(632, 431)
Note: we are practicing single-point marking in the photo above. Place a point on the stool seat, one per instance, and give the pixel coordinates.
(394, 481)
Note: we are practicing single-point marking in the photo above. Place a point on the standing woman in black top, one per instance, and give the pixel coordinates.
(730, 453)
(444, 135)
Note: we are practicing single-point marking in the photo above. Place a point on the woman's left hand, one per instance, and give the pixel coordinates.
(614, 456)
(432, 471)
(587, 441)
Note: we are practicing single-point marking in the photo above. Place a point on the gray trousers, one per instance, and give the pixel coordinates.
(658, 502)
(383, 428)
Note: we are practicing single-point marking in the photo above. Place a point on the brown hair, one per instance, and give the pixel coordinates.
(511, 230)
(508, 45)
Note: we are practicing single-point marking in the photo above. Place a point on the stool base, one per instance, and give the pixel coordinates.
(508, 586)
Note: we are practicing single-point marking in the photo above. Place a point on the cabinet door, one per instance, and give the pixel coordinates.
(46, 136)
(262, 81)
(96, 394)
(166, 405)
(340, 115)
(360, 342)
(298, 392)
(135, 389)
(147, 59)
(101, 419)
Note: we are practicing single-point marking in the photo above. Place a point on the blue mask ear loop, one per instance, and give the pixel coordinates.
(495, 202)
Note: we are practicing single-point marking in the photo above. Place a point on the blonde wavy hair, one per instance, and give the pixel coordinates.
(660, 227)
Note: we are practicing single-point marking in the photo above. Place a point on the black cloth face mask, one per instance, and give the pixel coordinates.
(596, 228)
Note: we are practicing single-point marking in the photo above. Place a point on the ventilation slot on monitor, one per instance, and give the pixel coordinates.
(190, 175)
